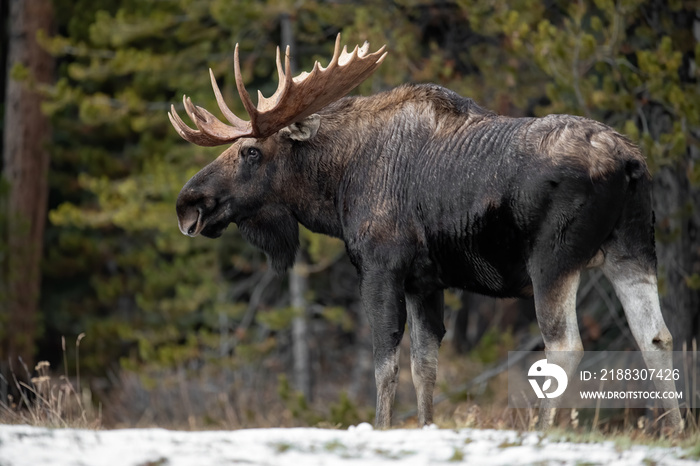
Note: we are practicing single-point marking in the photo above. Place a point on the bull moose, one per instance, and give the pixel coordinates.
(428, 190)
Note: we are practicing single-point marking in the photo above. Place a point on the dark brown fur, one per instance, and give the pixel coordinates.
(429, 191)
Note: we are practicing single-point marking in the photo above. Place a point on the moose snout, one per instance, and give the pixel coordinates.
(192, 211)
(189, 221)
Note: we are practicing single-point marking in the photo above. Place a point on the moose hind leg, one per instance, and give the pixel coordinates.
(555, 305)
(637, 289)
(425, 318)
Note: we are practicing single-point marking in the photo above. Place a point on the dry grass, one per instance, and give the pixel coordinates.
(227, 399)
(48, 400)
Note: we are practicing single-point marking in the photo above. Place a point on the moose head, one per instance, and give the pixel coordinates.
(244, 184)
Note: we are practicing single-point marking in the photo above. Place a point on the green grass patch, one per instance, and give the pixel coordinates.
(457, 456)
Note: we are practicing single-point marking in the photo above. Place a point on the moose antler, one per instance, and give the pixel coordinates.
(295, 98)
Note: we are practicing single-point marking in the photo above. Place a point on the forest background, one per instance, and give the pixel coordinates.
(179, 331)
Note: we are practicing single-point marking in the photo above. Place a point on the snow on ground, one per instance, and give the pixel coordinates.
(360, 445)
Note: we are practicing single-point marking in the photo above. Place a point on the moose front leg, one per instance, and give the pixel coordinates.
(383, 299)
(425, 319)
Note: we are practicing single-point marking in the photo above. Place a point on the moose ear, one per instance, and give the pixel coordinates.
(305, 129)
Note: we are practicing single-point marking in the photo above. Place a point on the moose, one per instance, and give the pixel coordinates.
(430, 191)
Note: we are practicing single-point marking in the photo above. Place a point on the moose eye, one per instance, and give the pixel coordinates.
(252, 153)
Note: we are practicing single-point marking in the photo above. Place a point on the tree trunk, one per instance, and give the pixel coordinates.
(676, 203)
(298, 285)
(298, 279)
(362, 389)
(25, 167)
(676, 257)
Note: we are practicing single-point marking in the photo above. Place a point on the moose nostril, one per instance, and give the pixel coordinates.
(189, 221)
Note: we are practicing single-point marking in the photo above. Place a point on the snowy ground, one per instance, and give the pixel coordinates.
(23, 445)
